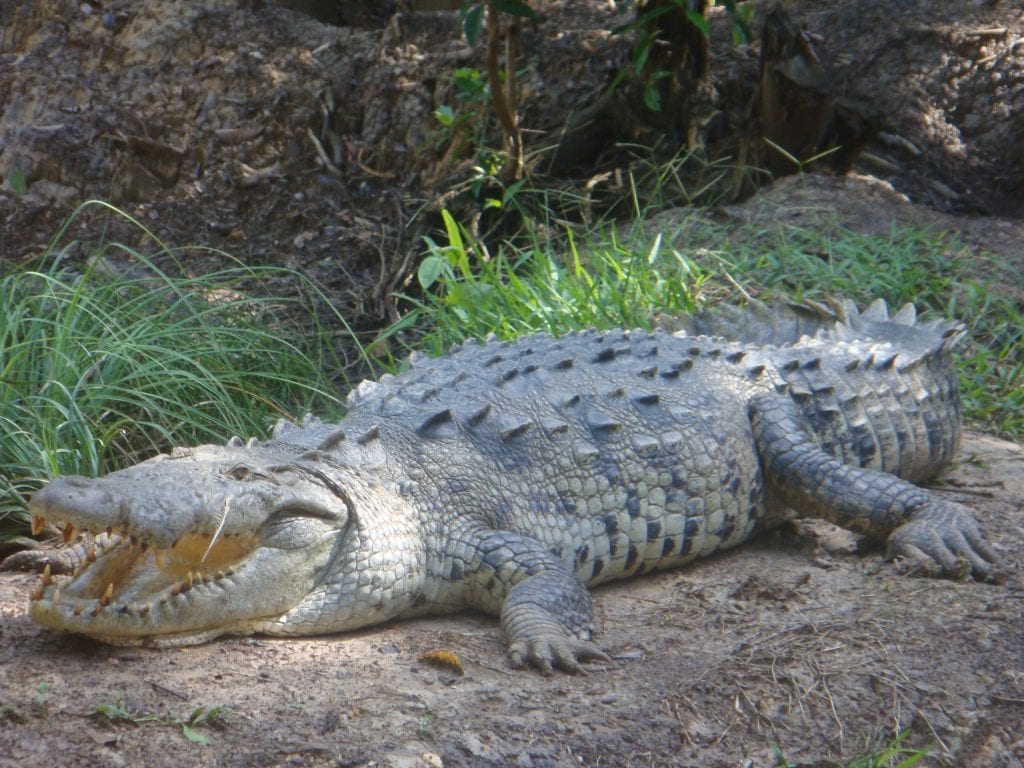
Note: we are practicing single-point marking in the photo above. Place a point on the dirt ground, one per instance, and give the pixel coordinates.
(791, 641)
(210, 122)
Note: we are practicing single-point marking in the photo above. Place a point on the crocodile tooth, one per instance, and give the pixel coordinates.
(56, 595)
(37, 525)
(36, 594)
(96, 611)
(252, 442)
(105, 600)
(219, 575)
(235, 442)
(47, 576)
(69, 532)
(160, 557)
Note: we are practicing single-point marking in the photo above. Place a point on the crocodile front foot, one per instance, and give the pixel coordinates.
(942, 538)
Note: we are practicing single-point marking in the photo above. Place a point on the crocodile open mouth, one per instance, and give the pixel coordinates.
(122, 573)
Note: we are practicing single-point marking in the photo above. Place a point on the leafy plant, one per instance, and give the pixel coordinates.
(216, 717)
(604, 277)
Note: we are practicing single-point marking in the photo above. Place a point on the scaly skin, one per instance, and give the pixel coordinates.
(510, 477)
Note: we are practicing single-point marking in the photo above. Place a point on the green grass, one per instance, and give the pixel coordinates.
(892, 755)
(97, 372)
(555, 284)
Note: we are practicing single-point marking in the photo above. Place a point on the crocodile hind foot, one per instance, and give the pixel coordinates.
(537, 639)
(943, 539)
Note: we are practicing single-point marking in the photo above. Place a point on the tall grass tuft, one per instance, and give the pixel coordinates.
(98, 372)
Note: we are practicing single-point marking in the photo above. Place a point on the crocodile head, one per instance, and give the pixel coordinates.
(191, 545)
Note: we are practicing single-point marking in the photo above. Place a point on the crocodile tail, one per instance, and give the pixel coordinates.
(839, 320)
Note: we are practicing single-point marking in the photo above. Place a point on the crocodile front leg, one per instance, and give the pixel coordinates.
(545, 610)
(939, 536)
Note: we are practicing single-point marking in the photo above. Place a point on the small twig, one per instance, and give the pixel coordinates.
(503, 108)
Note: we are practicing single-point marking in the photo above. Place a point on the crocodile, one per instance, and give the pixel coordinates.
(513, 476)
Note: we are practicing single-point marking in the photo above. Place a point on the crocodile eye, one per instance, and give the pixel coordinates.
(239, 472)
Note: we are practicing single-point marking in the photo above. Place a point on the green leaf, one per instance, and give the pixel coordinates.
(515, 8)
(194, 736)
(472, 23)
(652, 98)
(17, 181)
(698, 20)
(445, 115)
(510, 192)
(431, 268)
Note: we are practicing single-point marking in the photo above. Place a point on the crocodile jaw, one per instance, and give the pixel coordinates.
(184, 548)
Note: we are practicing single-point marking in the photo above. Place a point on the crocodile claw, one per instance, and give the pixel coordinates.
(943, 539)
(555, 650)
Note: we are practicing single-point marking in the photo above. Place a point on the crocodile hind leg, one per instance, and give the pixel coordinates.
(545, 610)
(940, 537)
